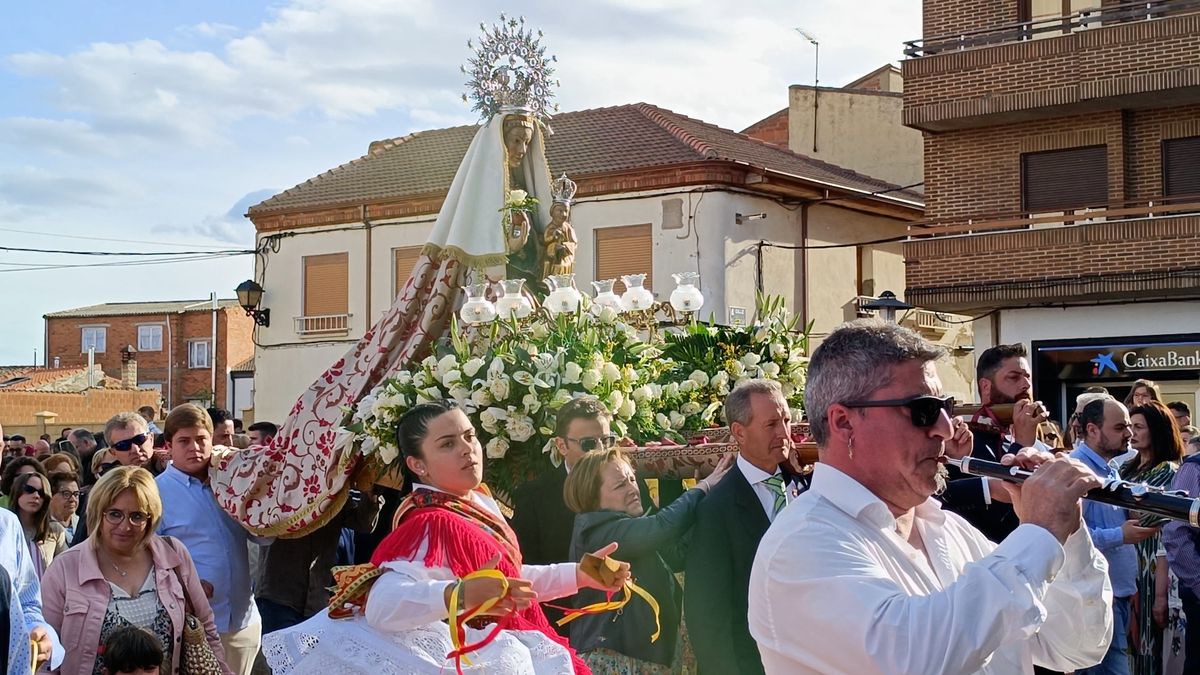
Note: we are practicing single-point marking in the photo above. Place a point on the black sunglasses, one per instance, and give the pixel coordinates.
(590, 443)
(925, 410)
(30, 490)
(108, 465)
(128, 443)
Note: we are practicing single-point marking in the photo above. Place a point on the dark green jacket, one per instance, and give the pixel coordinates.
(649, 544)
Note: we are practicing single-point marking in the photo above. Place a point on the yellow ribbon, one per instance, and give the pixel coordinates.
(613, 605)
(33, 649)
(457, 634)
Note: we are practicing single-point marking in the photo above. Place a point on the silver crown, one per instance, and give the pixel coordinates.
(563, 190)
(510, 69)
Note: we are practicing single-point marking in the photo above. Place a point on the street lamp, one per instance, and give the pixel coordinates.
(886, 304)
(816, 77)
(249, 295)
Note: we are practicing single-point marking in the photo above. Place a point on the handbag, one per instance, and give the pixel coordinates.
(196, 656)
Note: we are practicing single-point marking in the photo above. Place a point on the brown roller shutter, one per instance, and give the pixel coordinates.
(405, 261)
(624, 250)
(1062, 180)
(326, 284)
(1181, 166)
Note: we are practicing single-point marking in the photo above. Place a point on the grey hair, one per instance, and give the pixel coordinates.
(124, 421)
(1082, 400)
(854, 362)
(737, 403)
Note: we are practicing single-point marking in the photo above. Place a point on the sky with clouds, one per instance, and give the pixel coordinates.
(135, 126)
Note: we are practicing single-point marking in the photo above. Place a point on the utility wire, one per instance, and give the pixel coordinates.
(35, 267)
(122, 241)
(238, 251)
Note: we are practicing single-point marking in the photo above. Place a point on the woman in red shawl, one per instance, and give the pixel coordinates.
(448, 528)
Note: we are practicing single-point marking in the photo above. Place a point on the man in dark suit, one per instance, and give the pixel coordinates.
(541, 519)
(729, 523)
(1003, 376)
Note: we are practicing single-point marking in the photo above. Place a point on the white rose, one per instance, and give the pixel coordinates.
(662, 420)
(751, 359)
(560, 397)
(499, 388)
(671, 390)
(481, 397)
(627, 409)
(699, 377)
(770, 370)
(687, 386)
(736, 368)
(539, 331)
(590, 379)
(449, 362)
(720, 382)
(629, 374)
(420, 380)
(369, 445)
(597, 361)
(517, 196)
(389, 453)
(451, 378)
(677, 420)
(429, 362)
(488, 421)
(690, 408)
(777, 350)
(520, 428)
(378, 406)
(403, 377)
(607, 316)
(642, 393)
(472, 366)
(611, 372)
(497, 448)
(460, 394)
(531, 403)
(615, 399)
(571, 373)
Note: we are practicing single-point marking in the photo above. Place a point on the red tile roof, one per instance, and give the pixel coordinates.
(601, 140)
(52, 379)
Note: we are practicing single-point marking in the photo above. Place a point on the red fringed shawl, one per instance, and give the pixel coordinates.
(463, 538)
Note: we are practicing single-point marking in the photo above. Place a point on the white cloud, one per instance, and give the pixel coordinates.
(231, 227)
(34, 187)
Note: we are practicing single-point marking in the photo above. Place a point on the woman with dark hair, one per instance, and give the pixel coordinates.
(31, 503)
(1160, 449)
(16, 467)
(445, 532)
(602, 488)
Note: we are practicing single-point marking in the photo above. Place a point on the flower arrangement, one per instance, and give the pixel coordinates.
(512, 377)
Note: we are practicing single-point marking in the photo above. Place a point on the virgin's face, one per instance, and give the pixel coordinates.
(516, 141)
(31, 502)
(619, 490)
(451, 456)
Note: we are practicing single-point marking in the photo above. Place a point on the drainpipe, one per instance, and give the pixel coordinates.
(170, 364)
(804, 263)
(369, 317)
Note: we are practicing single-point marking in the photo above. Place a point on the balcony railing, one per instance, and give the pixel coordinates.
(1156, 207)
(1049, 26)
(327, 324)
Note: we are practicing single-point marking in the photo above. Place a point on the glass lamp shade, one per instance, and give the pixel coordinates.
(477, 308)
(513, 303)
(605, 297)
(686, 297)
(249, 294)
(636, 296)
(564, 297)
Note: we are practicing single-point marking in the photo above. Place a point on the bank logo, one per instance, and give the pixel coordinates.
(1104, 362)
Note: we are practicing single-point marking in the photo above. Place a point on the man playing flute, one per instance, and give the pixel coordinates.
(866, 573)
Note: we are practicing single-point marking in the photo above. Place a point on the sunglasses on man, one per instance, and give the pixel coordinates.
(590, 443)
(127, 444)
(924, 410)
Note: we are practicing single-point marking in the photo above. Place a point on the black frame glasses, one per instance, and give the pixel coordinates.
(924, 410)
(127, 444)
(69, 494)
(590, 443)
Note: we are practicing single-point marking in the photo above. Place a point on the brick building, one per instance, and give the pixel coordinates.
(172, 341)
(1062, 184)
(35, 400)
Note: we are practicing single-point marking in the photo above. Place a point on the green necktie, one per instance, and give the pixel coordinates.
(775, 483)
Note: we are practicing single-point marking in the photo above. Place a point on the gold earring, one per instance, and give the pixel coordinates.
(850, 447)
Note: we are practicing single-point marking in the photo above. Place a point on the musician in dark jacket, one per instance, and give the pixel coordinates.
(602, 489)
(1003, 377)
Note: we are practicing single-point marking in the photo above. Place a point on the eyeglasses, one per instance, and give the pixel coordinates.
(590, 443)
(69, 494)
(925, 410)
(117, 516)
(30, 490)
(127, 444)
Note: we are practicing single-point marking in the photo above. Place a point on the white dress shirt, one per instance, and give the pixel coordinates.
(412, 595)
(835, 589)
(755, 477)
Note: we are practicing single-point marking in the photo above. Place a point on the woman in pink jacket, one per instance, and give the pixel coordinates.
(123, 575)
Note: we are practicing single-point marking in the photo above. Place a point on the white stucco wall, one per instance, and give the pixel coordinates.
(1054, 323)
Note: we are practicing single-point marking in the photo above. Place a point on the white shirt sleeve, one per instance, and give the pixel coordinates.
(408, 595)
(879, 627)
(551, 582)
(1078, 604)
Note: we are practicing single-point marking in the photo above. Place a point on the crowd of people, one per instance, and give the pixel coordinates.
(112, 545)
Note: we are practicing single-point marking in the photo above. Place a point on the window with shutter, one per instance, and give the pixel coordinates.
(1063, 180)
(326, 284)
(1181, 166)
(625, 250)
(405, 259)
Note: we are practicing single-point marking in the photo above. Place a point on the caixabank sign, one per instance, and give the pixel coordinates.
(1116, 361)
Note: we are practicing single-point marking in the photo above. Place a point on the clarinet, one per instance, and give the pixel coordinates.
(1172, 504)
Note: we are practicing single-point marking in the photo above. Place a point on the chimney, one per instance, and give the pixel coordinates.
(129, 378)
